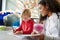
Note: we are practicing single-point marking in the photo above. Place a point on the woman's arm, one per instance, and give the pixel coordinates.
(53, 28)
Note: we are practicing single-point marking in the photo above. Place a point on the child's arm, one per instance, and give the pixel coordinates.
(18, 31)
(20, 27)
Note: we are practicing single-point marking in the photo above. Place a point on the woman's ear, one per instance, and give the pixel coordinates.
(46, 7)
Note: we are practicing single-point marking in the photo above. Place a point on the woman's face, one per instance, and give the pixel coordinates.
(43, 10)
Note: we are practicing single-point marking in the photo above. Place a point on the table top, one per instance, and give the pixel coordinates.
(5, 36)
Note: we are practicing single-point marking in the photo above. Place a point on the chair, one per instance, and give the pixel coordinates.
(12, 20)
(2, 16)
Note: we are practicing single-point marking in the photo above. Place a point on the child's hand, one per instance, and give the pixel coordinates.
(14, 31)
(18, 32)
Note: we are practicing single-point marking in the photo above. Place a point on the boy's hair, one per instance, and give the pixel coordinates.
(26, 12)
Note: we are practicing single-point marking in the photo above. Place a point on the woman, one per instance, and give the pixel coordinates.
(49, 10)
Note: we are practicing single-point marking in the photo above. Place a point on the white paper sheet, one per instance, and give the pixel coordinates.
(23, 35)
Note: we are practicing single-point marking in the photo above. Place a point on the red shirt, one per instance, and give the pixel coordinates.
(26, 27)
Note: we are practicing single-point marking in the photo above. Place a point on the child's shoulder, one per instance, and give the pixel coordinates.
(31, 20)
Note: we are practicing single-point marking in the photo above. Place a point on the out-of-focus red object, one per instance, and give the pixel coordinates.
(38, 28)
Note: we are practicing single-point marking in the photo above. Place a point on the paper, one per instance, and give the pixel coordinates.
(18, 36)
(23, 35)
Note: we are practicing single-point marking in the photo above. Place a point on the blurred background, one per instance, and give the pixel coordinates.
(16, 7)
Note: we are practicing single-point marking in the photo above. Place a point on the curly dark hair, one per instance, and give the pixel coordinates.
(53, 6)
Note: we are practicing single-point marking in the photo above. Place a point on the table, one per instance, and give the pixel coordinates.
(5, 36)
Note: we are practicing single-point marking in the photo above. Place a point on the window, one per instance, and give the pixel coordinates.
(0, 5)
(20, 5)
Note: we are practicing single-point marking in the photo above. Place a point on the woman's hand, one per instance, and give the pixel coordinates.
(41, 37)
(33, 33)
